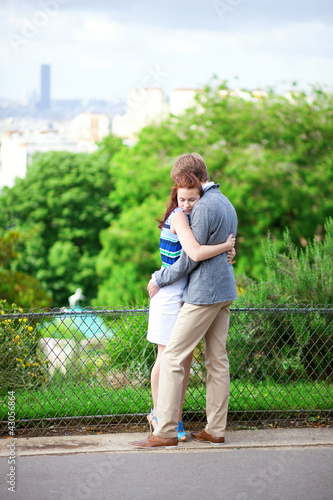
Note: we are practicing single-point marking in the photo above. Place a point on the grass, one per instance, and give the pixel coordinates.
(85, 399)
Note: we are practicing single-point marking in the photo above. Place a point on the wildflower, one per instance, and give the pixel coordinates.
(30, 328)
(99, 362)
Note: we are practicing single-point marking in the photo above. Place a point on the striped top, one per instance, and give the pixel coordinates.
(170, 246)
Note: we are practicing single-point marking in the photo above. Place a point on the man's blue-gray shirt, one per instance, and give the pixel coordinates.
(210, 281)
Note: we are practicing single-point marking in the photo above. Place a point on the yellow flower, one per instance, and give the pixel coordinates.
(99, 362)
(19, 360)
(2, 312)
(30, 328)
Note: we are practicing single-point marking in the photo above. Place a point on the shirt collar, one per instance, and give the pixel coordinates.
(207, 185)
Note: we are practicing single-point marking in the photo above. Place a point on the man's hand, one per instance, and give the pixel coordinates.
(231, 254)
(152, 289)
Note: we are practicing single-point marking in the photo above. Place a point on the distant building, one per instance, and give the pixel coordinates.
(148, 106)
(77, 136)
(144, 107)
(180, 100)
(90, 126)
(45, 82)
(13, 160)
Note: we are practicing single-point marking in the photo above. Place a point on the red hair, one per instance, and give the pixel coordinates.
(186, 180)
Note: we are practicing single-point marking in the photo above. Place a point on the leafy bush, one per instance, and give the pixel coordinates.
(129, 350)
(299, 276)
(294, 345)
(21, 365)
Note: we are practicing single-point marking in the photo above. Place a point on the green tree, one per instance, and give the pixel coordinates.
(14, 284)
(272, 158)
(63, 203)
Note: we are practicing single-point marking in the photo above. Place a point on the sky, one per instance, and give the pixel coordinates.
(100, 49)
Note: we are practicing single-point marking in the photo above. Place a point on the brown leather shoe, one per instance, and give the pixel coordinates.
(156, 442)
(207, 438)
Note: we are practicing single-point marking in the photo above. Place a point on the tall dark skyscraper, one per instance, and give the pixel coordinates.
(45, 73)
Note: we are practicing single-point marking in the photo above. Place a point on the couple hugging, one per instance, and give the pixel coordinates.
(190, 299)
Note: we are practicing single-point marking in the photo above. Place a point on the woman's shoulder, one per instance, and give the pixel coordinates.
(174, 211)
(177, 209)
(178, 215)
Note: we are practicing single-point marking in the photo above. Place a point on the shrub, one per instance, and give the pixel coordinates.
(129, 350)
(21, 365)
(296, 344)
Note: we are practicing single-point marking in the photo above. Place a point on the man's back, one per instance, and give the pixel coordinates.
(213, 218)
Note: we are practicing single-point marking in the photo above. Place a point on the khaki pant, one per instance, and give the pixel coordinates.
(193, 323)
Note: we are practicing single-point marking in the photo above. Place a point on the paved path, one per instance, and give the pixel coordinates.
(291, 464)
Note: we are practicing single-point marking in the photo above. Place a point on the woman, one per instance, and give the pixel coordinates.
(176, 235)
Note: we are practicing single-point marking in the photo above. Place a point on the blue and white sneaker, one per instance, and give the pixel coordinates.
(181, 434)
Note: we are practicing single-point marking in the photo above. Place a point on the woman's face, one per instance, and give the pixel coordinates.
(187, 198)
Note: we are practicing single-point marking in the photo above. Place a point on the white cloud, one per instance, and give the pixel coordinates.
(95, 52)
(95, 63)
(97, 30)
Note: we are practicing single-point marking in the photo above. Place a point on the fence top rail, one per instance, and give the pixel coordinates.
(120, 311)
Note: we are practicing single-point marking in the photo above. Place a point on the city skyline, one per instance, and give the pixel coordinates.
(101, 50)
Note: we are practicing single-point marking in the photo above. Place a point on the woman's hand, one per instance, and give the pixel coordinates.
(231, 254)
(152, 289)
(231, 241)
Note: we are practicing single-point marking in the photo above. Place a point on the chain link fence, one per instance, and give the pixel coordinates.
(91, 367)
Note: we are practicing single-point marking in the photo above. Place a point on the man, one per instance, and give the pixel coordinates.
(210, 290)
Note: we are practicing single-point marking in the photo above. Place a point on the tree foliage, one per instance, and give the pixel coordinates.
(272, 158)
(58, 211)
(92, 217)
(16, 285)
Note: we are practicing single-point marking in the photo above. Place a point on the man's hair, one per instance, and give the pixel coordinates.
(193, 163)
(186, 180)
